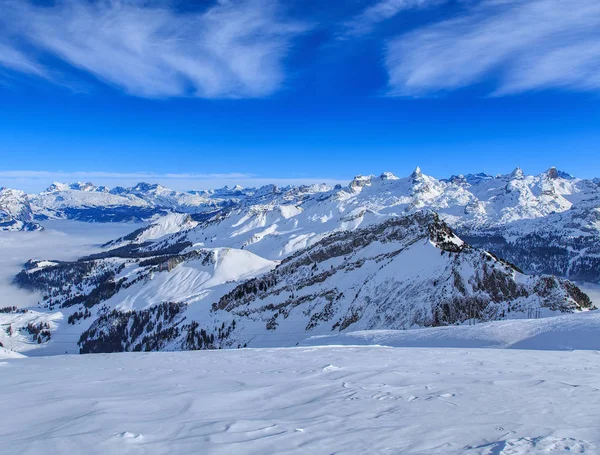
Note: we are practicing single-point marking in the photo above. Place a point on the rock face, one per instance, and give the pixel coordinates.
(15, 212)
(402, 272)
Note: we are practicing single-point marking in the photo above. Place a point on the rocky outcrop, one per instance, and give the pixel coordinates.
(15, 212)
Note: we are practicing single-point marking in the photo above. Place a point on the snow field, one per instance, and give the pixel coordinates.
(304, 400)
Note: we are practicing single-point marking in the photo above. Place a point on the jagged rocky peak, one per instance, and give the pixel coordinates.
(118, 190)
(360, 181)
(458, 179)
(75, 186)
(266, 191)
(388, 176)
(82, 186)
(554, 174)
(313, 188)
(517, 173)
(15, 211)
(469, 179)
(57, 186)
(416, 174)
(146, 187)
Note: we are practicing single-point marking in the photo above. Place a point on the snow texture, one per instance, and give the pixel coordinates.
(350, 400)
(567, 332)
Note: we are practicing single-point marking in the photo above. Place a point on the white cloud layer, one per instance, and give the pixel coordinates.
(522, 45)
(233, 49)
(380, 12)
(36, 181)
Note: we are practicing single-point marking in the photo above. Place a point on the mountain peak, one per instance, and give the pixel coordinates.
(265, 191)
(388, 176)
(459, 179)
(143, 186)
(517, 173)
(417, 175)
(360, 180)
(57, 186)
(82, 186)
(554, 173)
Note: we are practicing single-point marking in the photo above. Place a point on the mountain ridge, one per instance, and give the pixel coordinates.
(401, 272)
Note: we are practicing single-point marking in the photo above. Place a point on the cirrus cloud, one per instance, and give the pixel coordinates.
(381, 11)
(232, 49)
(522, 45)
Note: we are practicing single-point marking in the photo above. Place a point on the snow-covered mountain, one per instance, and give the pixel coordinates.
(401, 272)
(15, 211)
(261, 266)
(144, 201)
(161, 227)
(549, 223)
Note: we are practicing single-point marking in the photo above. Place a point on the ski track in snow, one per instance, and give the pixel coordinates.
(304, 400)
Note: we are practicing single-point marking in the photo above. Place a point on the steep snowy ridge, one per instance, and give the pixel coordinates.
(371, 255)
(15, 211)
(405, 272)
(548, 223)
(165, 225)
(128, 279)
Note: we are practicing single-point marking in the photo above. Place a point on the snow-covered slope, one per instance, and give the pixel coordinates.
(548, 223)
(86, 202)
(401, 273)
(7, 354)
(350, 400)
(565, 332)
(15, 211)
(161, 227)
(136, 286)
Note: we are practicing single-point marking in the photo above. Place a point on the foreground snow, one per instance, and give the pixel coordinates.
(304, 400)
(566, 332)
(8, 354)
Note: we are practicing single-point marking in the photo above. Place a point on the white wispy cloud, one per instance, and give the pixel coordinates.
(521, 45)
(381, 11)
(14, 59)
(235, 48)
(35, 181)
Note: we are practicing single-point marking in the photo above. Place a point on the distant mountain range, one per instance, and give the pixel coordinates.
(271, 266)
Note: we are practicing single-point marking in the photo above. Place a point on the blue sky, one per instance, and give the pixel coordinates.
(203, 93)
